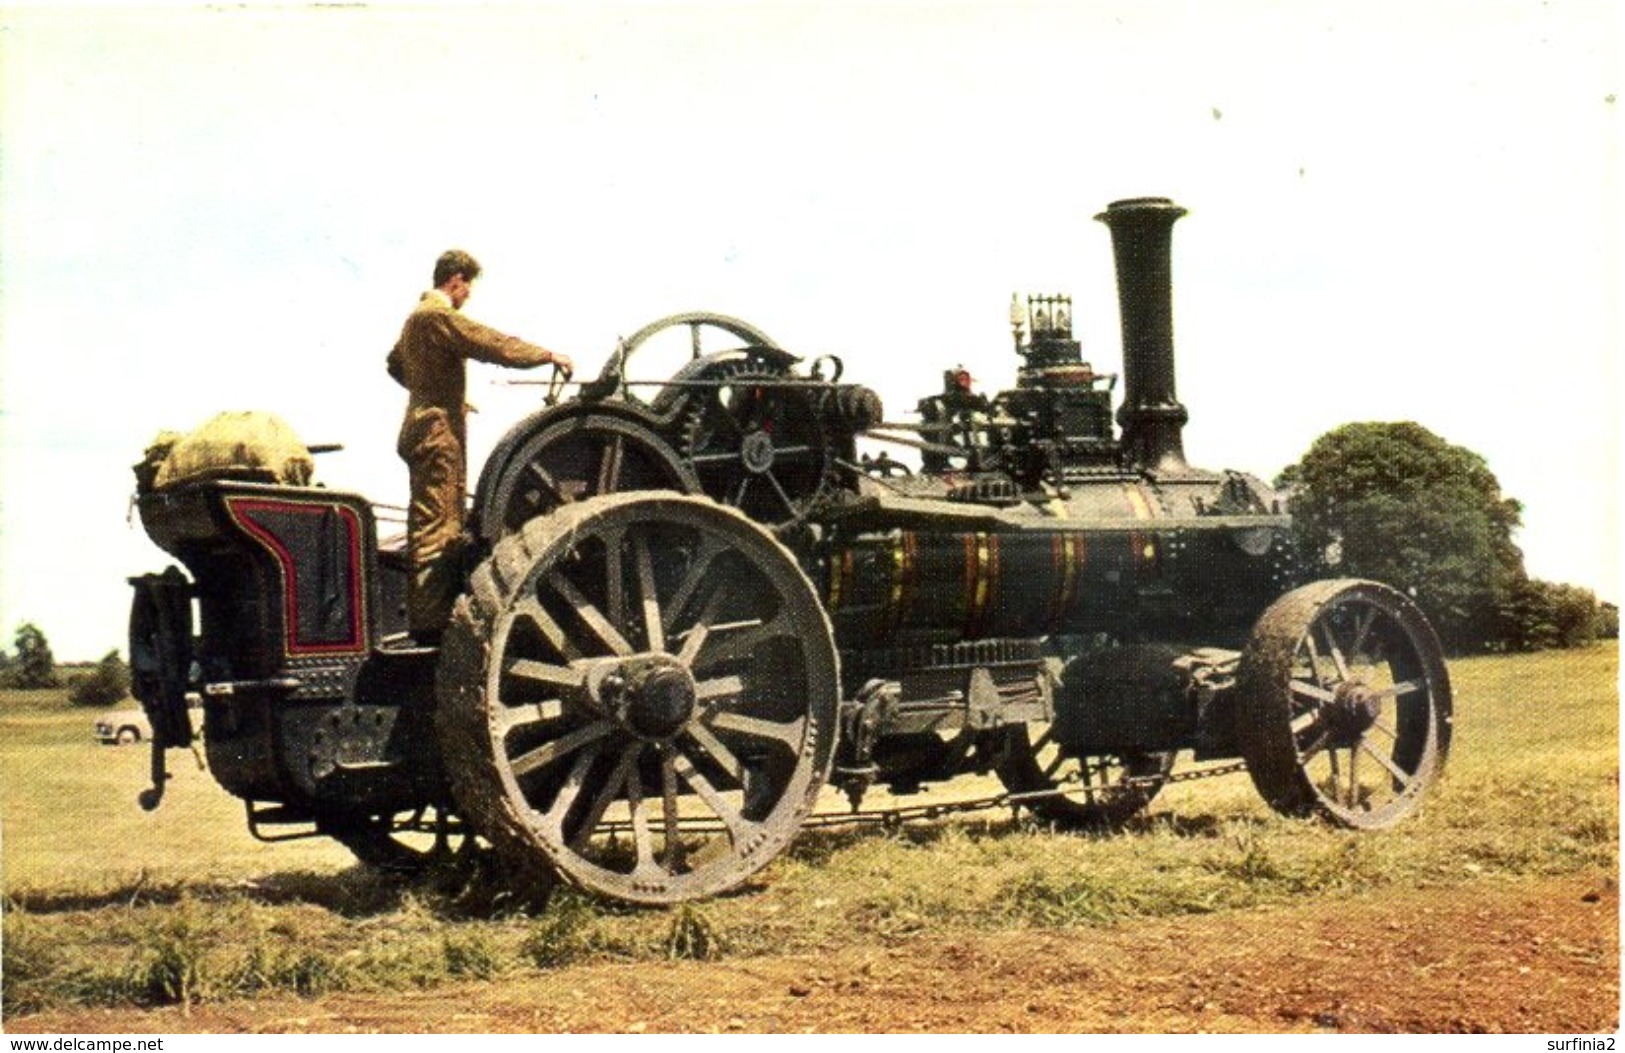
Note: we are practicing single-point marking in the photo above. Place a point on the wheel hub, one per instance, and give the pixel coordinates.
(652, 696)
(756, 452)
(1352, 711)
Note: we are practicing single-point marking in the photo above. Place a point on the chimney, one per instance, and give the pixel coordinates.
(1151, 417)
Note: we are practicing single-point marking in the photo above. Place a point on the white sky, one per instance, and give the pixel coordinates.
(1398, 211)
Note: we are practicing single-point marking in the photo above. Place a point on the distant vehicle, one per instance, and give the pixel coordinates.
(123, 727)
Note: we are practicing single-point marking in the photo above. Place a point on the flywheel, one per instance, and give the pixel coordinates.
(756, 441)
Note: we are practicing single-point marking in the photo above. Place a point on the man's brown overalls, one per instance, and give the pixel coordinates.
(429, 361)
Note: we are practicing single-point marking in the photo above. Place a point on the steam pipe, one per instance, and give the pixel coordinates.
(1151, 416)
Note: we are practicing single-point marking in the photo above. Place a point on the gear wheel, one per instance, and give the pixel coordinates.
(756, 445)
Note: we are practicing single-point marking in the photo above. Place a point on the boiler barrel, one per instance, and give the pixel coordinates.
(1119, 562)
(920, 585)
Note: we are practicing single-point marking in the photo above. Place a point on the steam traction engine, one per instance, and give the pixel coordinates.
(694, 604)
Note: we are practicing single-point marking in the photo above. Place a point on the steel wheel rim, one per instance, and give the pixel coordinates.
(612, 783)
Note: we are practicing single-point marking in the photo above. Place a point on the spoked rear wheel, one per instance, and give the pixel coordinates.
(640, 693)
(1344, 704)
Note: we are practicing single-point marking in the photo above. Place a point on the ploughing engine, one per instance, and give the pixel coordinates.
(691, 608)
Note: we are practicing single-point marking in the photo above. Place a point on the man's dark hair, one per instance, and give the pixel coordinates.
(452, 263)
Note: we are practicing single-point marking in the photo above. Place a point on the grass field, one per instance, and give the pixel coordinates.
(108, 905)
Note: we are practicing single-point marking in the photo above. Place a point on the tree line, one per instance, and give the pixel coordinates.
(1392, 502)
(1396, 503)
(32, 666)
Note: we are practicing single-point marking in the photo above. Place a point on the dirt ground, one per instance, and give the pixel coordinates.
(1540, 955)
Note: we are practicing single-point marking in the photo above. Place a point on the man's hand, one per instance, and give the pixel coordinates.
(563, 364)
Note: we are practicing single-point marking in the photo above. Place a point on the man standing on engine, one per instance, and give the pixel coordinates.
(429, 361)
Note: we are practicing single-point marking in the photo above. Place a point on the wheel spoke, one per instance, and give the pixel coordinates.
(709, 459)
(738, 826)
(788, 735)
(590, 614)
(625, 770)
(561, 678)
(668, 809)
(778, 488)
(1401, 776)
(533, 611)
(642, 839)
(545, 480)
(562, 746)
(1403, 688)
(651, 601)
(727, 414)
(1361, 630)
(520, 716)
(1304, 721)
(615, 577)
(1308, 751)
(609, 465)
(1314, 692)
(739, 497)
(694, 639)
(573, 785)
(718, 750)
(1314, 657)
(738, 645)
(718, 692)
(1336, 653)
(704, 557)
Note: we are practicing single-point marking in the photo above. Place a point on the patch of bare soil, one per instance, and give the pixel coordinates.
(1532, 956)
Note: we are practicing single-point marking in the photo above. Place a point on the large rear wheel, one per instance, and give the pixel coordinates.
(639, 693)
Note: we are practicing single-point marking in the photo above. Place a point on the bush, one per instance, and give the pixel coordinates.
(107, 683)
(1544, 614)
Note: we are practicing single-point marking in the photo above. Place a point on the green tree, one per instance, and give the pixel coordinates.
(1607, 621)
(34, 665)
(1545, 614)
(1398, 504)
(104, 685)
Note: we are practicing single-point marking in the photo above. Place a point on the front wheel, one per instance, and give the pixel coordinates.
(1344, 706)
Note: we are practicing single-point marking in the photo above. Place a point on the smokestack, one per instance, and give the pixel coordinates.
(1151, 417)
